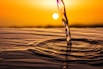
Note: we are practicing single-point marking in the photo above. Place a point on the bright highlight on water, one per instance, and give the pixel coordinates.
(61, 7)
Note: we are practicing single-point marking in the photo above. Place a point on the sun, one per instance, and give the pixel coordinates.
(55, 16)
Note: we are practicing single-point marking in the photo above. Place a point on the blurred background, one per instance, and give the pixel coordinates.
(44, 13)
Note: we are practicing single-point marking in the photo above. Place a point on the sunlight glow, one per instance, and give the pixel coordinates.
(55, 16)
(40, 12)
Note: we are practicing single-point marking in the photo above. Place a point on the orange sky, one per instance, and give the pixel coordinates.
(39, 12)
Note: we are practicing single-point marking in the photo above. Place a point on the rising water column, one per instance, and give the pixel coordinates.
(62, 9)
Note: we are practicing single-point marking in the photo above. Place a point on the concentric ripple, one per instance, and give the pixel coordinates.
(83, 50)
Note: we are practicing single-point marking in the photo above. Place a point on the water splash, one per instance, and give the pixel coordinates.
(61, 7)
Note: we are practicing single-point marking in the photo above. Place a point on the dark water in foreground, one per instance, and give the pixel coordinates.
(35, 48)
(83, 51)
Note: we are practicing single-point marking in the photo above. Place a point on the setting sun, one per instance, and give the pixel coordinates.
(55, 16)
(45, 12)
